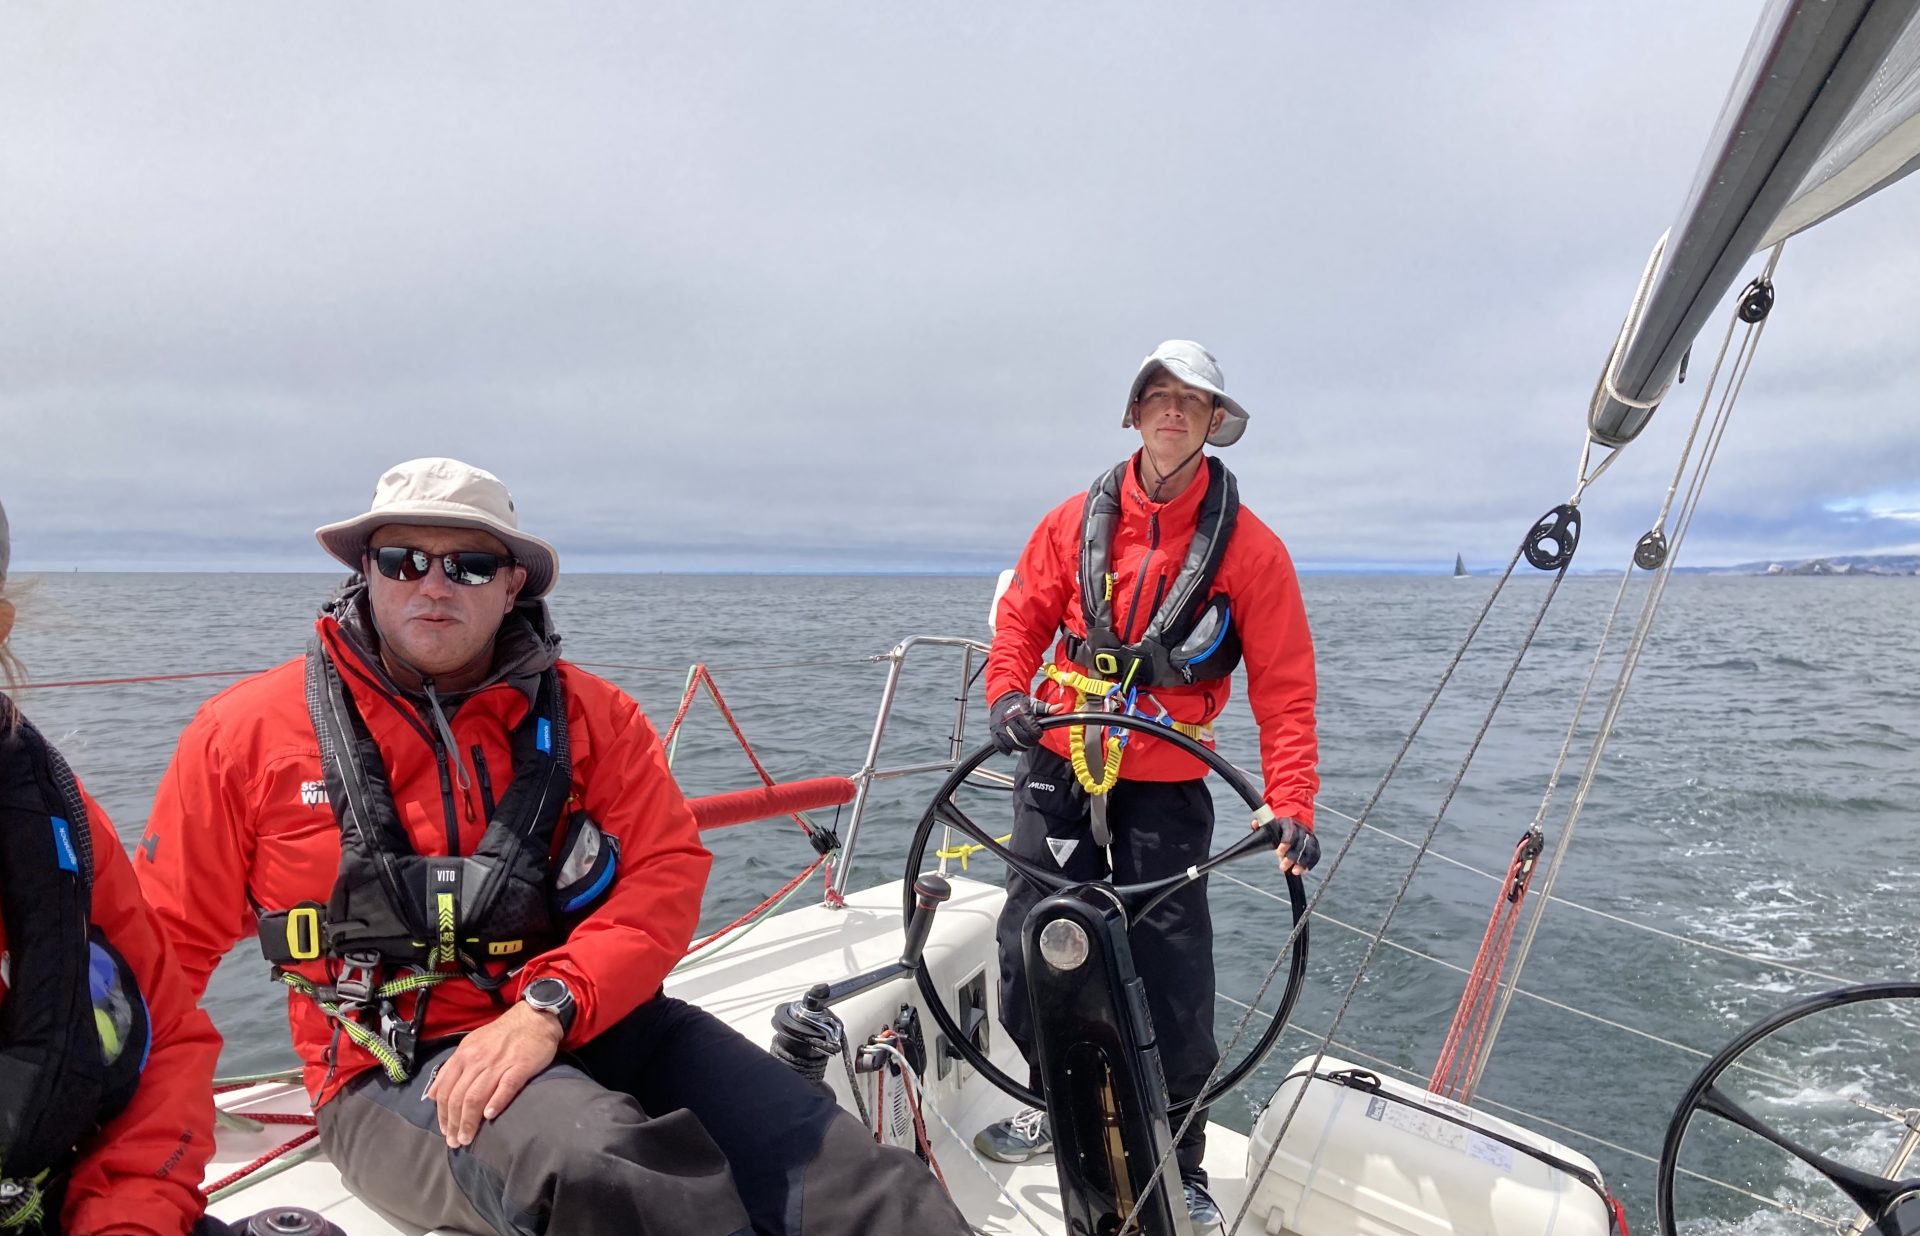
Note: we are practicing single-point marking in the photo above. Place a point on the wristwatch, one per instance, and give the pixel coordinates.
(551, 995)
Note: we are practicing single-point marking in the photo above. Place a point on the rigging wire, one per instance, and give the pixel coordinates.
(1630, 659)
(1354, 1053)
(1406, 883)
(1346, 846)
(1773, 963)
(1890, 1113)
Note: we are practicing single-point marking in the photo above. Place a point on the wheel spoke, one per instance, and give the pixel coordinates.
(948, 812)
(1869, 1192)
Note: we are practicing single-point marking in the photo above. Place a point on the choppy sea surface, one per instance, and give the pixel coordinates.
(1759, 795)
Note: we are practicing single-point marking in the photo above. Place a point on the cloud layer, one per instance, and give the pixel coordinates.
(766, 287)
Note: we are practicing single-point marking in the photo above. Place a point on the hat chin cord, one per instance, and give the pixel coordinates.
(1162, 478)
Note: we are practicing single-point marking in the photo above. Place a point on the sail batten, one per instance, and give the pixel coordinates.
(1824, 111)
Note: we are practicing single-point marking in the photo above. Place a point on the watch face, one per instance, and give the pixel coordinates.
(546, 992)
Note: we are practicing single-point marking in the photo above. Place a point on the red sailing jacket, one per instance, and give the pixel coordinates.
(1149, 545)
(142, 1173)
(242, 820)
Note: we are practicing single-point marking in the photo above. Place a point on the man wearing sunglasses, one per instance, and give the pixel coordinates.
(467, 860)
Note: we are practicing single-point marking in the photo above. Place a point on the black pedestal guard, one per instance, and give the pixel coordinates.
(1892, 1206)
(1104, 1091)
(1107, 1094)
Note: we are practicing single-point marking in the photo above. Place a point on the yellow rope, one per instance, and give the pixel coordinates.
(967, 850)
(1083, 686)
(26, 1209)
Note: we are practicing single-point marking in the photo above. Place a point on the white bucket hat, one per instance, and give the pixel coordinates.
(444, 493)
(1194, 365)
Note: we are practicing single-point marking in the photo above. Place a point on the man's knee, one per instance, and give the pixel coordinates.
(855, 1185)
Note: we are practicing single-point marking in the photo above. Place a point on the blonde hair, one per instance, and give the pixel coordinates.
(12, 673)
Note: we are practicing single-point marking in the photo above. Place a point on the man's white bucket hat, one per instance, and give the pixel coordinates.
(1194, 365)
(444, 493)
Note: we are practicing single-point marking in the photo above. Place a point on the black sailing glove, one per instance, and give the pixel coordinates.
(1015, 721)
(1299, 849)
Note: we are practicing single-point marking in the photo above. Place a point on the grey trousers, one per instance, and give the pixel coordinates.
(668, 1123)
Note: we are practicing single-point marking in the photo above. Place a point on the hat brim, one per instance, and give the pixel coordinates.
(347, 540)
(1231, 426)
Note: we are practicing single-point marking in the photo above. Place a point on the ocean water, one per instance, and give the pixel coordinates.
(1759, 794)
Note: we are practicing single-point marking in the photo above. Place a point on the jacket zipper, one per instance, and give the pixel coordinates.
(446, 798)
(1139, 579)
(486, 782)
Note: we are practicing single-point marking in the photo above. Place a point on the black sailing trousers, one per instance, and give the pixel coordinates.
(668, 1124)
(1159, 828)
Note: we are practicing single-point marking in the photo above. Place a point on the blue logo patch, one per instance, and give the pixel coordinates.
(63, 846)
(543, 736)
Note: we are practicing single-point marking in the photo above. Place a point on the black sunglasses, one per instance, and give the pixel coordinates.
(472, 567)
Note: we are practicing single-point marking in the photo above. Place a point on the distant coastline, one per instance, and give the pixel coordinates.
(1838, 564)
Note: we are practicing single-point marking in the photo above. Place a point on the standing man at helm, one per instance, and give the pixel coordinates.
(467, 861)
(1156, 584)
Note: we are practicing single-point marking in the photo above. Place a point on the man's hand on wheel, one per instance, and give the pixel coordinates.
(1015, 721)
(1298, 850)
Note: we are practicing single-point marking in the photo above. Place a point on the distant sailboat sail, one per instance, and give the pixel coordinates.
(1459, 567)
(1825, 111)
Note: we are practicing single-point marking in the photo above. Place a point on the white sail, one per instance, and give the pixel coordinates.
(1877, 144)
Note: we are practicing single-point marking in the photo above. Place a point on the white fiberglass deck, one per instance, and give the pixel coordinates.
(775, 963)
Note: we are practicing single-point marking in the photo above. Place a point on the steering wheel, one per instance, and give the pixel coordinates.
(1892, 1206)
(1138, 900)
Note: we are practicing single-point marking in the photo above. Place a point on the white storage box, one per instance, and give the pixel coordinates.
(1370, 1156)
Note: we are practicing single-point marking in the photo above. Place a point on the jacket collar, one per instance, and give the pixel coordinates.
(1183, 508)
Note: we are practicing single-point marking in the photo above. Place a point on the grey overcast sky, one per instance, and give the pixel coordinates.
(773, 286)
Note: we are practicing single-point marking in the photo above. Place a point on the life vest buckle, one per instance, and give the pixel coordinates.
(355, 984)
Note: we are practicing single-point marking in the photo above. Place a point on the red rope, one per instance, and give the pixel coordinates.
(924, 1143)
(115, 682)
(763, 907)
(271, 1155)
(700, 676)
(1474, 1015)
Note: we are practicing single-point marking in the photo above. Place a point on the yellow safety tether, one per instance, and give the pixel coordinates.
(1083, 686)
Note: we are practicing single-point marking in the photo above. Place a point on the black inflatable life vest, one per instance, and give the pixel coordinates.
(507, 901)
(1191, 636)
(74, 1030)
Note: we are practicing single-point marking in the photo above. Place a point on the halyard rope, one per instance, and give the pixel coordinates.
(1630, 660)
(1406, 882)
